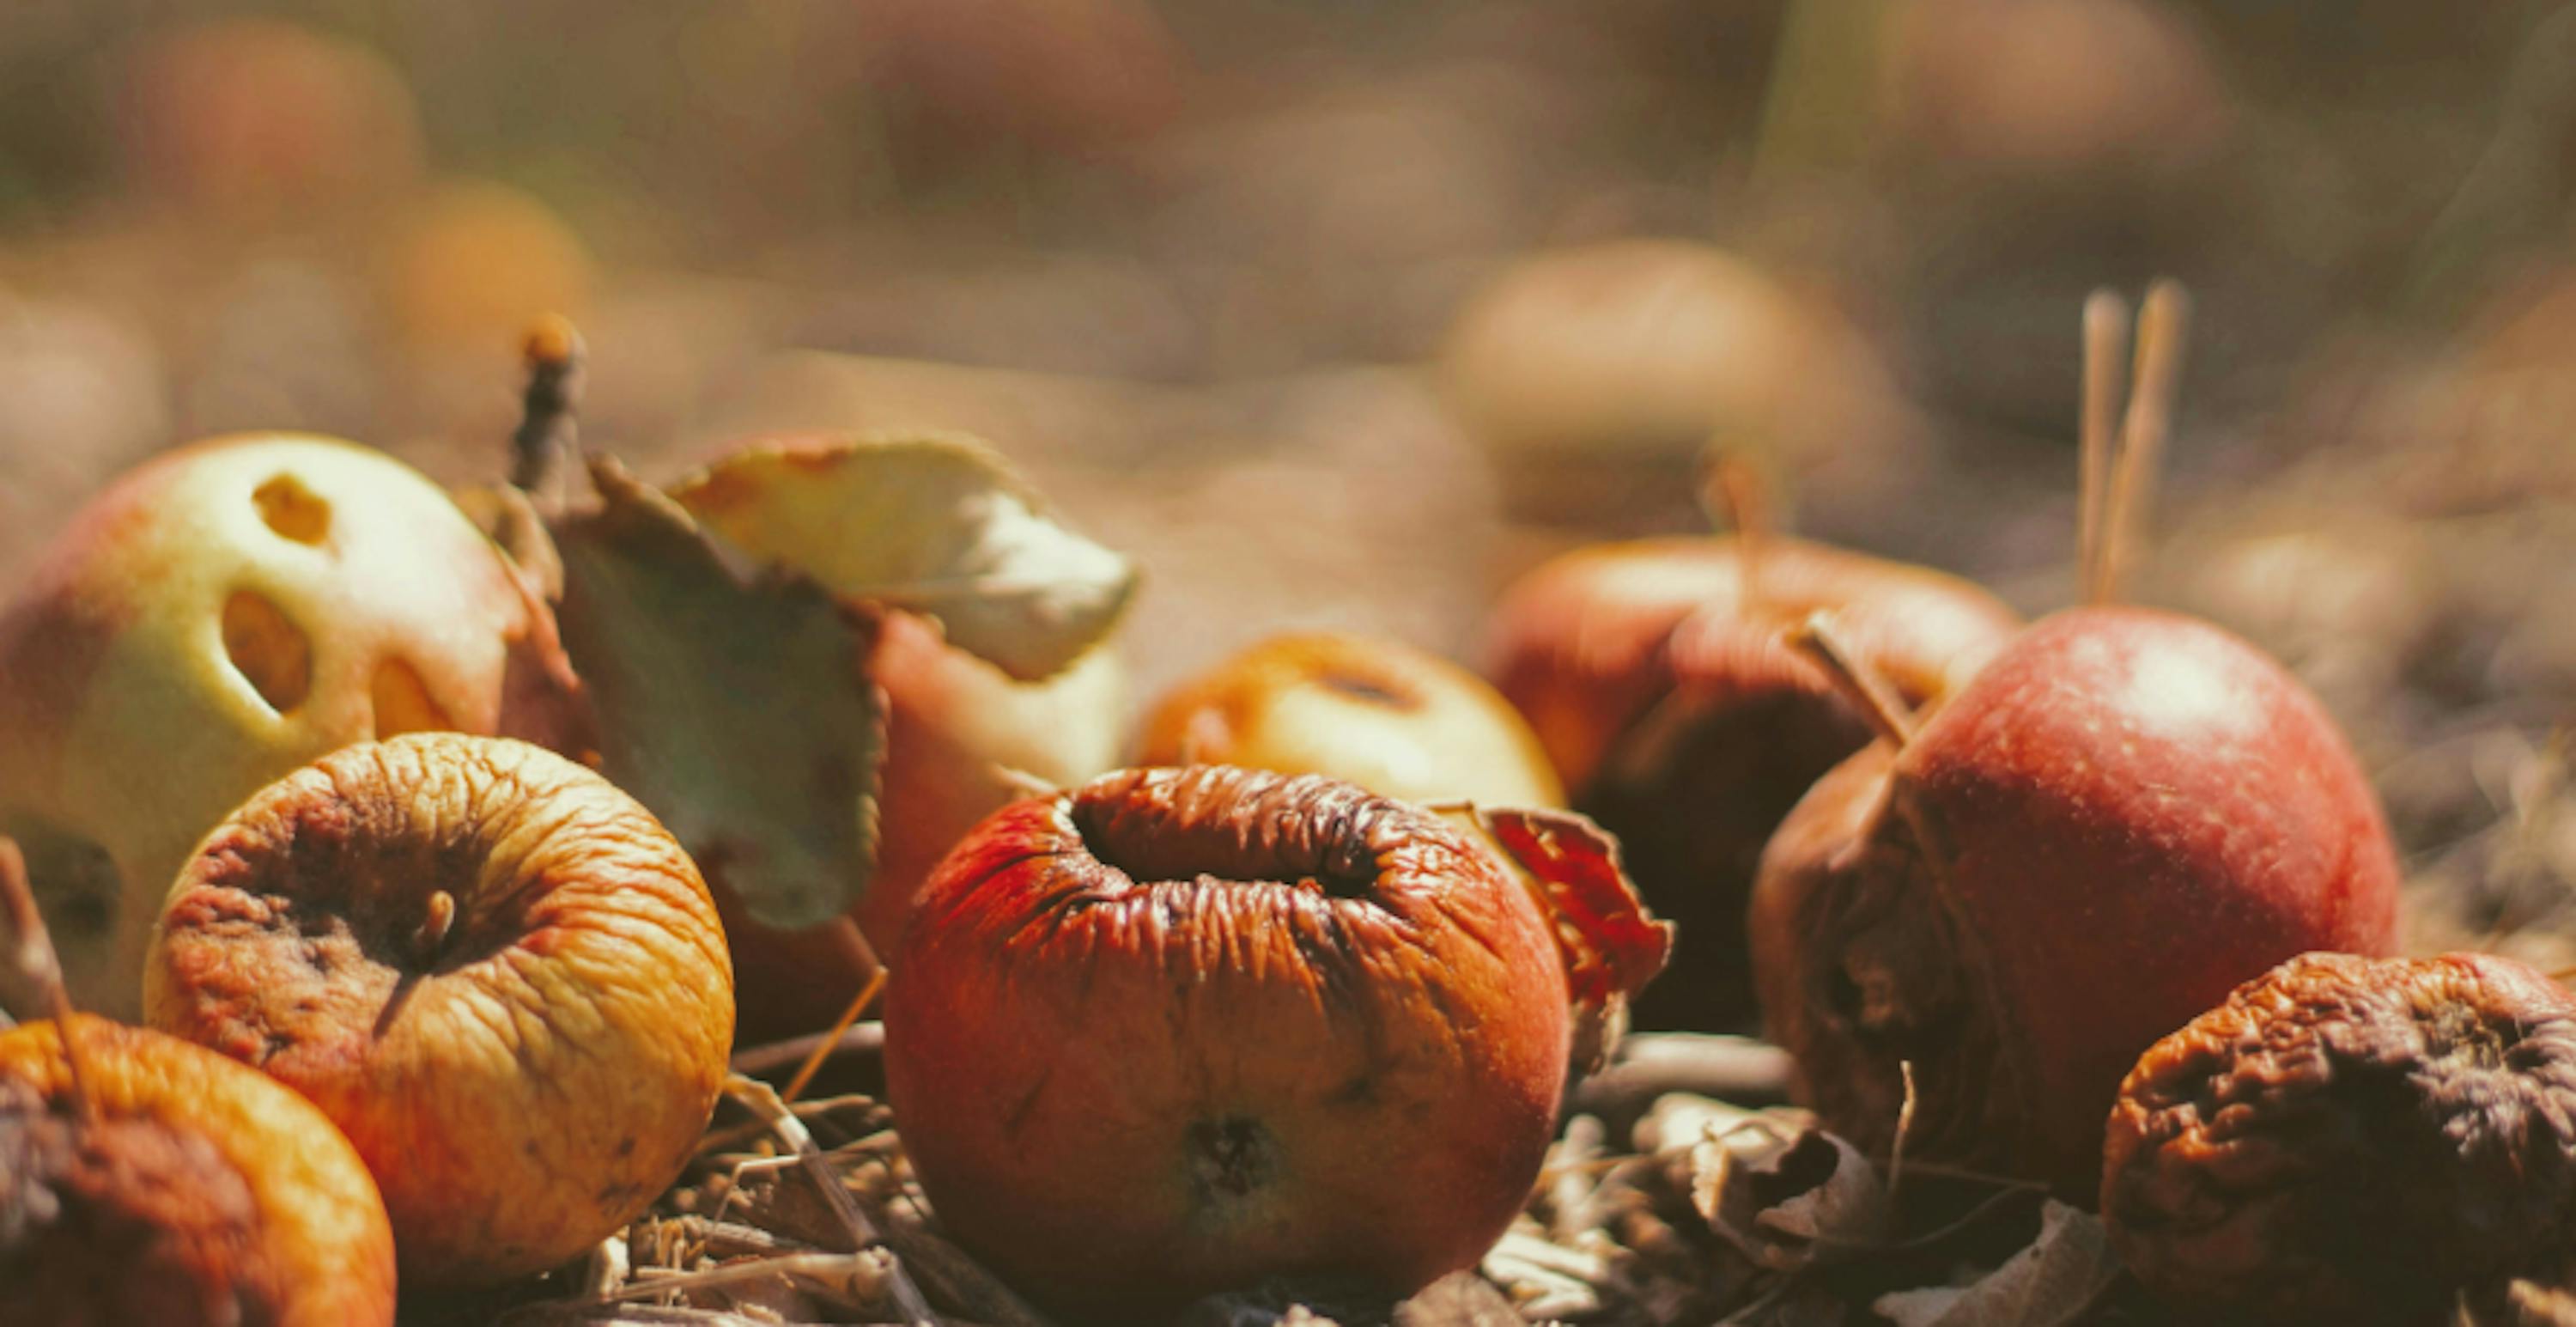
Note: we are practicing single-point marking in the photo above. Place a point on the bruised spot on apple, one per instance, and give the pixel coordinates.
(1390, 718)
(172, 1186)
(2125, 815)
(494, 971)
(217, 617)
(1182, 1029)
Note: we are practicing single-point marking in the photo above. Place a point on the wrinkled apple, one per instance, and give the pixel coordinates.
(1181, 1029)
(495, 972)
(168, 1185)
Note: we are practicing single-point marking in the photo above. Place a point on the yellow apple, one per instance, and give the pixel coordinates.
(216, 618)
(1388, 717)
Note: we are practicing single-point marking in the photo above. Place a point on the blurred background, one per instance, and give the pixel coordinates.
(1342, 314)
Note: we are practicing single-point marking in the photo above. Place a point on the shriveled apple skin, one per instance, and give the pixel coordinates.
(133, 724)
(1681, 718)
(1183, 1029)
(521, 1088)
(202, 1193)
(2124, 816)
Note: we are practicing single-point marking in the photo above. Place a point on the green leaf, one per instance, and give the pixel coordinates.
(934, 523)
(737, 708)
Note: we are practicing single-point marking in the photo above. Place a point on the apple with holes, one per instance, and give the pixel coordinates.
(217, 617)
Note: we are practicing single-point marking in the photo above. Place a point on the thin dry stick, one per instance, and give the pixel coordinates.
(2106, 337)
(1736, 493)
(1860, 685)
(42, 966)
(863, 1038)
(857, 942)
(549, 409)
(1904, 1127)
(863, 1232)
(2163, 323)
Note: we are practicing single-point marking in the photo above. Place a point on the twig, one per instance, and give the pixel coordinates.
(1652, 1064)
(2163, 323)
(858, 942)
(1735, 493)
(858, 1039)
(549, 409)
(765, 1102)
(1904, 1127)
(2106, 336)
(1860, 685)
(42, 966)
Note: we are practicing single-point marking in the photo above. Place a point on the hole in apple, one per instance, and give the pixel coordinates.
(292, 510)
(402, 701)
(267, 649)
(1375, 690)
(1236, 825)
(76, 883)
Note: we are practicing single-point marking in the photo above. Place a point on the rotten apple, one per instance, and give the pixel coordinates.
(493, 970)
(1659, 678)
(1388, 717)
(217, 617)
(158, 1182)
(1983, 923)
(1181, 1029)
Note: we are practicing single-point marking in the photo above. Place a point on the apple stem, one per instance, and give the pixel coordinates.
(1904, 1126)
(2163, 322)
(1859, 684)
(2106, 337)
(431, 938)
(549, 410)
(37, 959)
(856, 941)
(1735, 494)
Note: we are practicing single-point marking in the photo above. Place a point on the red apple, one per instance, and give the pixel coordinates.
(1682, 720)
(2125, 815)
(1182, 1029)
(956, 729)
(1388, 717)
(216, 618)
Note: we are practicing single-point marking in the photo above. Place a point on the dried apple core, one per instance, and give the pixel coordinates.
(268, 649)
(1230, 824)
(291, 509)
(123, 1219)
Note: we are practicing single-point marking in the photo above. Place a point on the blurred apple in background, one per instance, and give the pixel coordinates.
(215, 618)
(2032, 89)
(1600, 376)
(960, 736)
(475, 262)
(1393, 719)
(256, 123)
